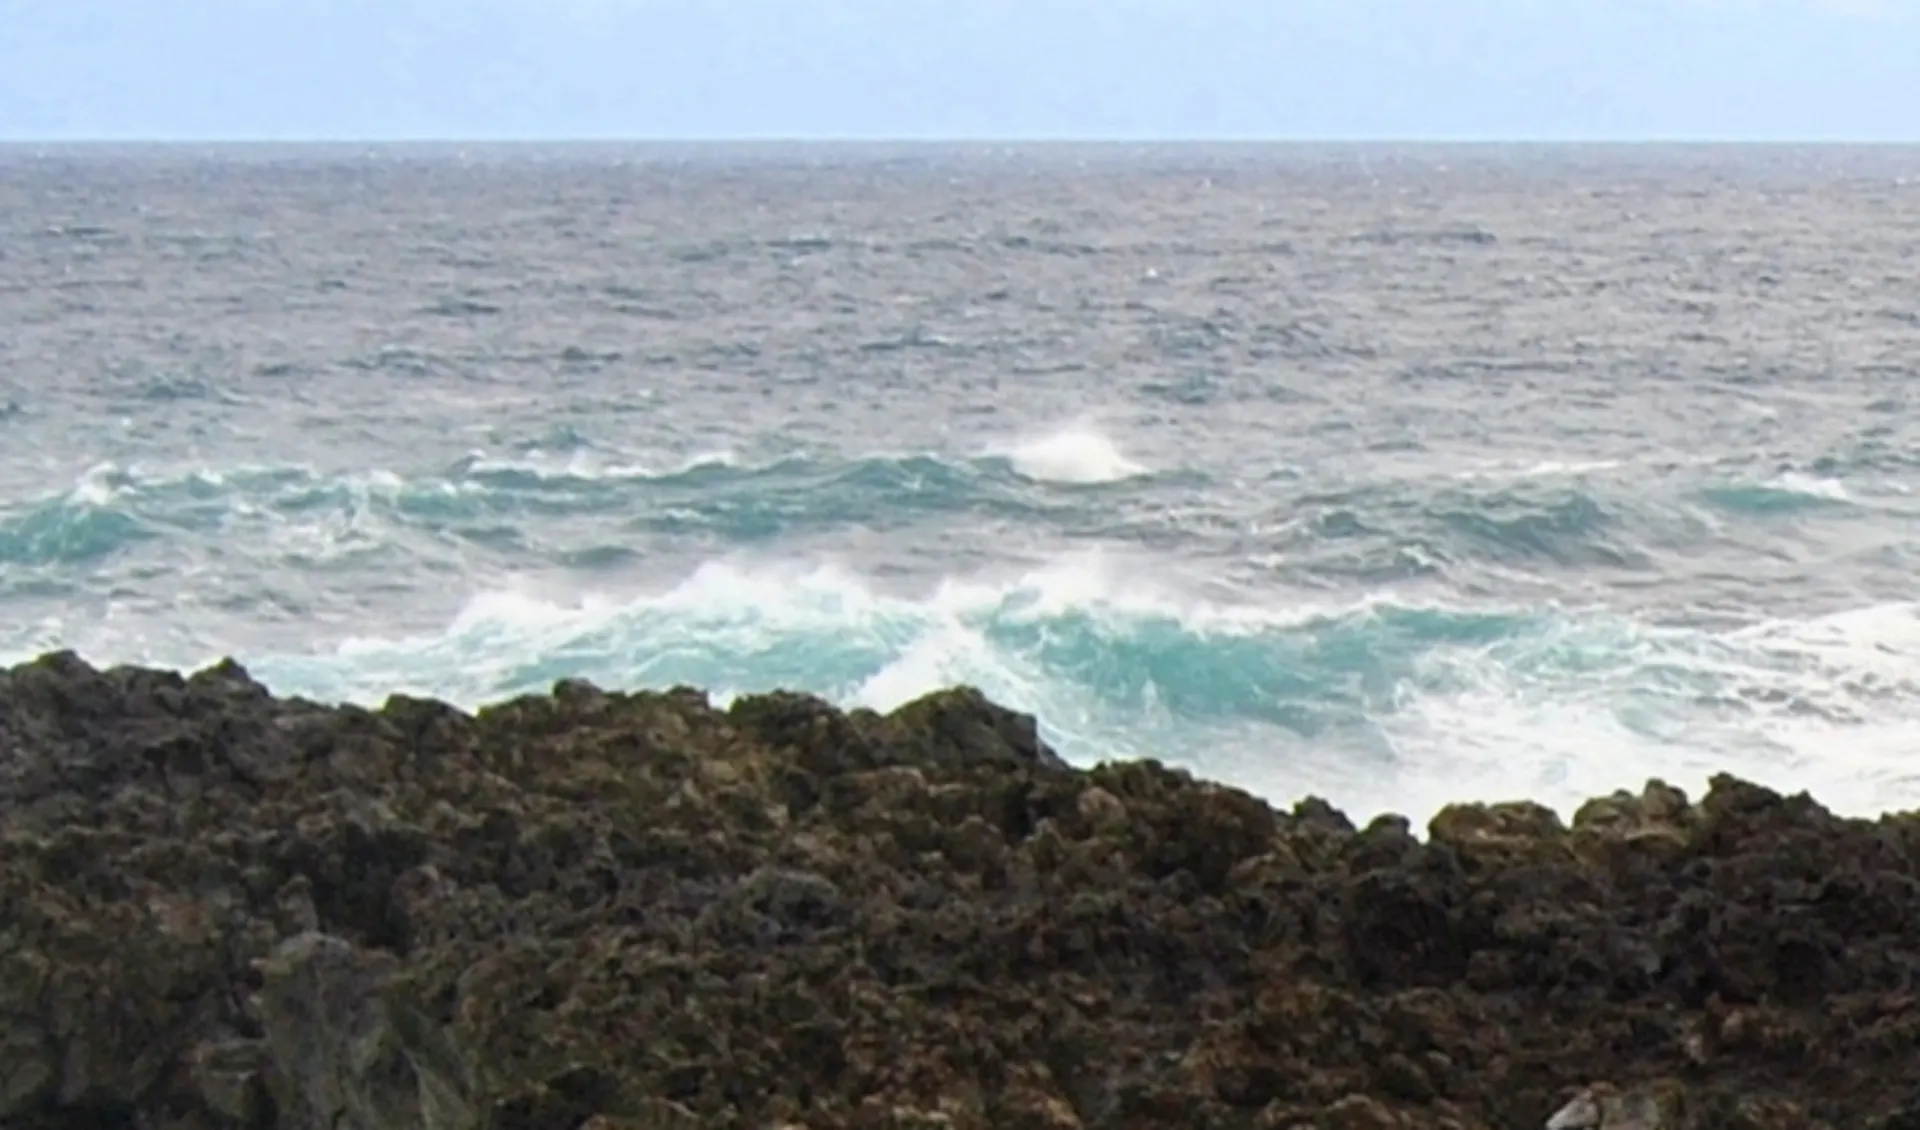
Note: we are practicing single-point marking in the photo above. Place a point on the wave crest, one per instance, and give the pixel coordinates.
(1078, 455)
(1379, 705)
(477, 498)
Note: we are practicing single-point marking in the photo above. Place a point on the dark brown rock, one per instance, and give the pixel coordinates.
(219, 909)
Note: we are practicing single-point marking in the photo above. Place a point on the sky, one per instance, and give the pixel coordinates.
(1763, 70)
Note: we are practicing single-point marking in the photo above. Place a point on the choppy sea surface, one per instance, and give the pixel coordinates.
(1392, 475)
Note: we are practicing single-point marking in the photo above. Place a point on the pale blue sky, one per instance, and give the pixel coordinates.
(285, 69)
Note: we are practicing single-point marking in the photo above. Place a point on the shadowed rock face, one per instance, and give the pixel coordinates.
(223, 910)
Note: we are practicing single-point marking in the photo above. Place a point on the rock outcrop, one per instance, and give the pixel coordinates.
(220, 909)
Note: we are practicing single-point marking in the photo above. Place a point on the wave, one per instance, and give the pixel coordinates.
(1384, 703)
(1077, 455)
(482, 497)
(565, 504)
(1790, 492)
(1381, 704)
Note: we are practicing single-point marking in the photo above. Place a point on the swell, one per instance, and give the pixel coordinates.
(579, 507)
(111, 509)
(1605, 523)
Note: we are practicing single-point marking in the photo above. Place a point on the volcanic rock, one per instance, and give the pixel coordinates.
(223, 910)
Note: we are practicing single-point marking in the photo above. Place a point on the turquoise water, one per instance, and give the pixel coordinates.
(1249, 460)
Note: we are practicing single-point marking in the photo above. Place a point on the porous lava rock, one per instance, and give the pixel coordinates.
(582, 910)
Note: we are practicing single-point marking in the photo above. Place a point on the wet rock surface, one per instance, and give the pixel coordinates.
(589, 910)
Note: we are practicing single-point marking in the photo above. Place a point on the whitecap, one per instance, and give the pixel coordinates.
(1076, 455)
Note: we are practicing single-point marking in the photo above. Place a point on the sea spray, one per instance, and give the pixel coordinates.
(1377, 704)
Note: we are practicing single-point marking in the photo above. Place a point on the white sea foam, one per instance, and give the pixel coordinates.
(1378, 705)
(1078, 454)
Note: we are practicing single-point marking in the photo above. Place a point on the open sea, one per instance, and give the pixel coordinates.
(1393, 475)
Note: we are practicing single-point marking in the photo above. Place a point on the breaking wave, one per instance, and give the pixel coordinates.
(1378, 704)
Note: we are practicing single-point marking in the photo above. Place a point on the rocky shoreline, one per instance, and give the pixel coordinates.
(223, 909)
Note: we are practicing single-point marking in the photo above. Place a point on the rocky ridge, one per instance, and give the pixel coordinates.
(594, 911)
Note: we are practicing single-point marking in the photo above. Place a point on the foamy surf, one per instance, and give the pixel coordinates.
(1445, 683)
(1079, 455)
(1379, 705)
(582, 464)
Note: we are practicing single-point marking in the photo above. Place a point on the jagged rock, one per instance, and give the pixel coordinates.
(587, 910)
(1501, 835)
(230, 1077)
(1603, 1106)
(349, 1051)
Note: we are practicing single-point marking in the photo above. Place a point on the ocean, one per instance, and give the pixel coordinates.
(1394, 475)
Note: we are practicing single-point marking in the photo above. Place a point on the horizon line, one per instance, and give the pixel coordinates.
(952, 140)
